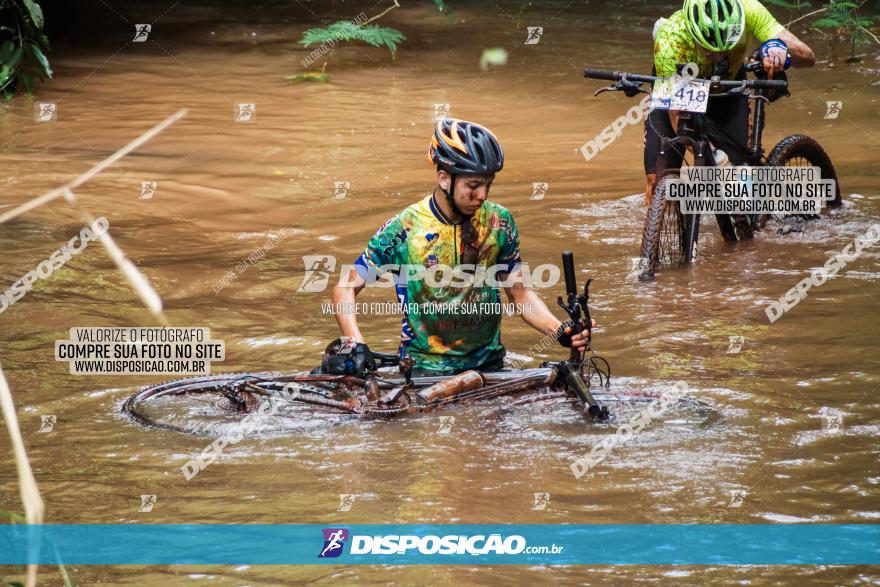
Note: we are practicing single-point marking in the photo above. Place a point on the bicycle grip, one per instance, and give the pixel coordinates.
(601, 74)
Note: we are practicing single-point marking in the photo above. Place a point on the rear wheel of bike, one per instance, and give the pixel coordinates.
(666, 238)
(802, 151)
(735, 227)
(238, 403)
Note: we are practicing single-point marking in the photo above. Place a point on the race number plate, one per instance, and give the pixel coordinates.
(680, 93)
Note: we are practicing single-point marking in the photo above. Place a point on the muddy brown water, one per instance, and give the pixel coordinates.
(799, 428)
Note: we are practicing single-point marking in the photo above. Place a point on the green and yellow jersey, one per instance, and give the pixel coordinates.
(674, 44)
(445, 328)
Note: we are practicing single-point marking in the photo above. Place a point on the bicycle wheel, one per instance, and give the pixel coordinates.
(735, 227)
(802, 151)
(666, 238)
(218, 404)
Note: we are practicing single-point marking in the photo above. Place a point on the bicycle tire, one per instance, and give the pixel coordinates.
(802, 150)
(664, 234)
(200, 403)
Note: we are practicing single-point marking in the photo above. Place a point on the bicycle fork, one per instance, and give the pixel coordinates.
(683, 140)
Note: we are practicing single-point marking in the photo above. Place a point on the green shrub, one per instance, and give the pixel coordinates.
(23, 46)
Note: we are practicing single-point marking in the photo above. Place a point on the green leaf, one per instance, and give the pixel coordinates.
(6, 51)
(15, 58)
(27, 80)
(5, 76)
(41, 58)
(35, 12)
(309, 76)
(828, 23)
(14, 517)
(344, 30)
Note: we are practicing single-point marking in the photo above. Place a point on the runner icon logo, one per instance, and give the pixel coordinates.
(47, 423)
(341, 189)
(833, 109)
(147, 503)
(736, 345)
(148, 189)
(45, 112)
(736, 498)
(534, 34)
(446, 423)
(346, 501)
(334, 541)
(541, 501)
(141, 32)
(539, 190)
(441, 111)
(318, 270)
(245, 112)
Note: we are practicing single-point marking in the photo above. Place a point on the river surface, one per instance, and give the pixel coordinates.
(797, 438)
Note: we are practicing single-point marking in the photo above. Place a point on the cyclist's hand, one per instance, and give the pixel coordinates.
(577, 340)
(775, 57)
(774, 62)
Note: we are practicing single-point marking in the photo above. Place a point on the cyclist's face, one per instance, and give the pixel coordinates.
(470, 191)
(715, 56)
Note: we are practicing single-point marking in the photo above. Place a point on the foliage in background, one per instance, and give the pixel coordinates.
(23, 46)
(343, 30)
(441, 6)
(311, 76)
(840, 17)
(797, 5)
(844, 19)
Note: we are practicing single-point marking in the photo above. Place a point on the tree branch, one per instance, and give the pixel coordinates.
(381, 14)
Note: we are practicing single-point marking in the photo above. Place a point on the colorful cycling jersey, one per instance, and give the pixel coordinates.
(674, 44)
(453, 327)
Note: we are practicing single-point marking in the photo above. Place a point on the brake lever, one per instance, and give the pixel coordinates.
(624, 85)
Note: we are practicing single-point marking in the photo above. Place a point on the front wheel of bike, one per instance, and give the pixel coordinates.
(802, 151)
(669, 237)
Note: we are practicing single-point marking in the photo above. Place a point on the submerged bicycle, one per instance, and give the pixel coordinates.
(670, 237)
(372, 389)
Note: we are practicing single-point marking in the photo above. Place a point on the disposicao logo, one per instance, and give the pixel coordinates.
(334, 541)
(409, 544)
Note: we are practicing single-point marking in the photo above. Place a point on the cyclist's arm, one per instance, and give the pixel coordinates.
(536, 314)
(380, 251)
(765, 27)
(344, 296)
(801, 54)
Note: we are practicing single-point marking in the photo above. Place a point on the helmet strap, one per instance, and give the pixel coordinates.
(450, 195)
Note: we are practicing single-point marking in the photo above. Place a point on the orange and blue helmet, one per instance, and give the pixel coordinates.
(465, 148)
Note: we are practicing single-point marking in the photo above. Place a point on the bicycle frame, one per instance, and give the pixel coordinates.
(698, 132)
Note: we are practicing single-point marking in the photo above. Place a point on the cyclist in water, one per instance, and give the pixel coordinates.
(458, 227)
(716, 36)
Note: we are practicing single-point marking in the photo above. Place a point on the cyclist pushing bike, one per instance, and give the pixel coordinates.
(716, 35)
(718, 115)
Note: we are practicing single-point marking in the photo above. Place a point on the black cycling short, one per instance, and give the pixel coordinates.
(732, 114)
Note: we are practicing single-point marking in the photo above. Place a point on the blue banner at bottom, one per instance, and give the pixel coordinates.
(275, 544)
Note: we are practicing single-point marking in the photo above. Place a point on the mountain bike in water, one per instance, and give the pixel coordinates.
(670, 237)
(370, 387)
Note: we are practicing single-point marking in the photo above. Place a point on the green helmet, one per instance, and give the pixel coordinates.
(717, 25)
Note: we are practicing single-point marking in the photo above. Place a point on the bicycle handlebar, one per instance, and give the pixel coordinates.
(729, 84)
